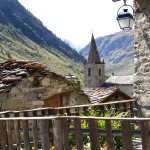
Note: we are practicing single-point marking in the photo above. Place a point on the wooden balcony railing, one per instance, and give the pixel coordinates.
(118, 106)
(45, 127)
(102, 108)
(43, 132)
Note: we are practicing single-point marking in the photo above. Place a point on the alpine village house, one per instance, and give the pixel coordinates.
(26, 84)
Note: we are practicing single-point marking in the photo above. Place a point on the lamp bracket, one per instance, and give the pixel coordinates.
(125, 2)
(125, 5)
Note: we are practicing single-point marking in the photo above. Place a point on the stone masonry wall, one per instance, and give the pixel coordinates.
(142, 57)
(31, 92)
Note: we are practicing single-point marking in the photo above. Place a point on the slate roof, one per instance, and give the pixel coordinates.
(13, 71)
(98, 95)
(121, 80)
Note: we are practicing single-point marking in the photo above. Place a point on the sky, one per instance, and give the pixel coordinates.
(75, 20)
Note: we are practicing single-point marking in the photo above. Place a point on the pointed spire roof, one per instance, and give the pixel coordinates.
(93, 52)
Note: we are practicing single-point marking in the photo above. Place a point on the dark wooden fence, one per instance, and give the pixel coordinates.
(20, 132)
(45, 127)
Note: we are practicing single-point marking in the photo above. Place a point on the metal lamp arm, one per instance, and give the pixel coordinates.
(125, 2)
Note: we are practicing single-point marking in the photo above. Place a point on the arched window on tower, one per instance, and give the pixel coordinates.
(89, 71)
(100, 72)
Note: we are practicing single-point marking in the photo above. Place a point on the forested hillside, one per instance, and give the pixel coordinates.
(23, 36)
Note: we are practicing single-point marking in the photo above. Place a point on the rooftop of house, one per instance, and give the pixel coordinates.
(101, 94)
(12, 71)
(121, 80)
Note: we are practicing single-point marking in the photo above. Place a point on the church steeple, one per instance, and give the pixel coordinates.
(93, 53)
(94, 69)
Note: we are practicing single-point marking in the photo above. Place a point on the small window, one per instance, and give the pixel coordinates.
(100, 71)
(89, 71)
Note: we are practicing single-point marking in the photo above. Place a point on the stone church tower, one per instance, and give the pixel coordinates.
(94, 69)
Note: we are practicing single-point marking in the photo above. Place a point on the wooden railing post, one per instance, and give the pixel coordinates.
(127, 135)
(124, 107)
(9, 134)
(2, 135)
(45, 134)
(109, 135)
(78, 134)
(35, 134)
(17, 134)
(57, 134)
(116, 108)
(93, 131)
(131, 105)
(25, 134)
(60, 134)
(64, 134)
(145, 135)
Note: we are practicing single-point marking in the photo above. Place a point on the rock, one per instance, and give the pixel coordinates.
(38, 103)
(31, 96)
(15, 90)
(30, 78)
(46, 82)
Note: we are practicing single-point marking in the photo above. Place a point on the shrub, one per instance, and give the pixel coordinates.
(101, 125)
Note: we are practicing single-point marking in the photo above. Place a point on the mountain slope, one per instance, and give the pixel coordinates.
(117, 51)
(75, 47)
(12, 12)
(23, 36)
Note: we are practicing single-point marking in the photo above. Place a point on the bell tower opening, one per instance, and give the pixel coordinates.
(89, 71)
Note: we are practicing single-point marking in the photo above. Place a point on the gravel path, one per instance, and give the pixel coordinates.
(137, 144)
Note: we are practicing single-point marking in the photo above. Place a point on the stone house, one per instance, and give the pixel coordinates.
(28, 84)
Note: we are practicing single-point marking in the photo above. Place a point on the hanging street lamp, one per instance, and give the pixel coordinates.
(124, 17)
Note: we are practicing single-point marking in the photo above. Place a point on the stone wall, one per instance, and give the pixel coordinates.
(142, 57)
(34, 90)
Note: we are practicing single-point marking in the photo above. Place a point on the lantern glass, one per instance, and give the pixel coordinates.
(126, 23)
